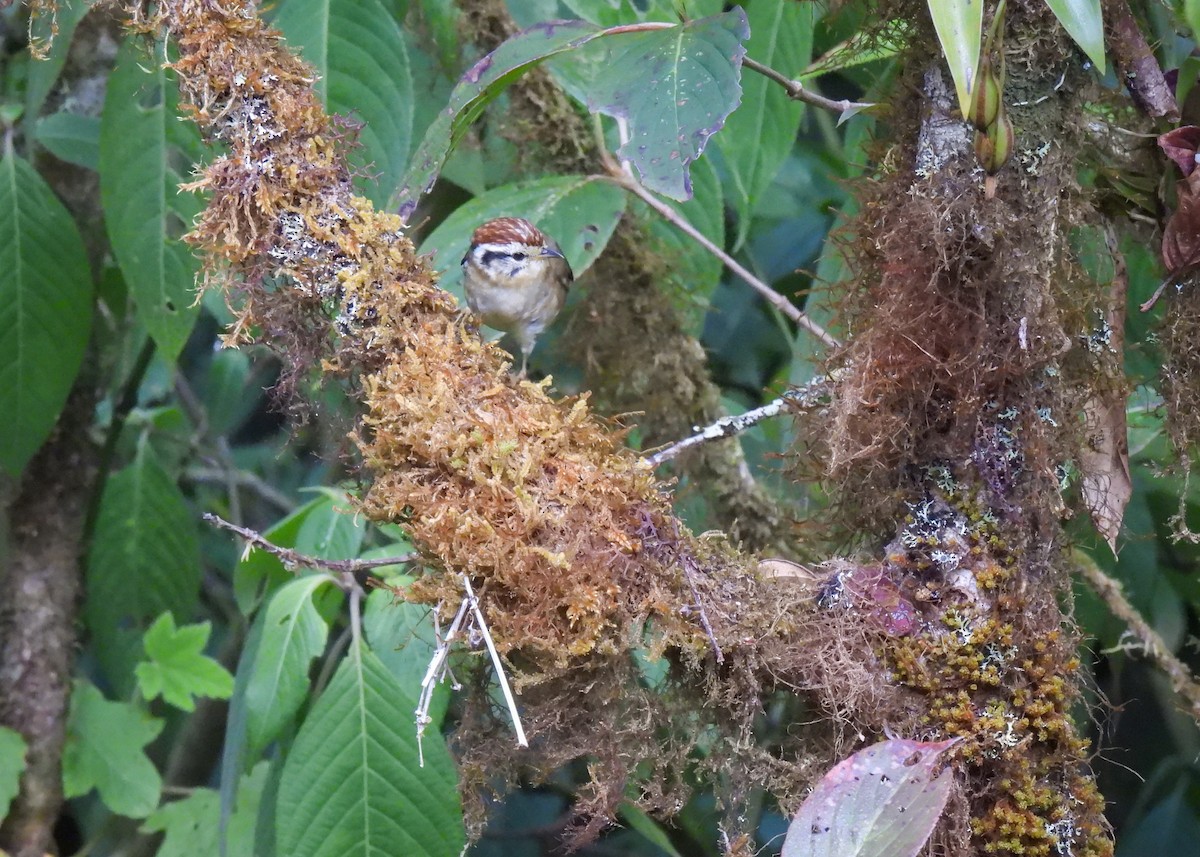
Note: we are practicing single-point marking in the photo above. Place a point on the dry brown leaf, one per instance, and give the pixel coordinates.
(1107, 484)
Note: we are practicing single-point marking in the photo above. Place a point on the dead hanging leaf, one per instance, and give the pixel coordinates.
(1104, 461)
(1107, 484)
(1180, 145)
(1181, 235)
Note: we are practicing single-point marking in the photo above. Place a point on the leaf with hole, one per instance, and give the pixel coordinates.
(675, 87)
(881, 802)
(293, 633)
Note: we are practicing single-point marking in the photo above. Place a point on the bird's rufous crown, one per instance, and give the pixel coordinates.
(508, 230)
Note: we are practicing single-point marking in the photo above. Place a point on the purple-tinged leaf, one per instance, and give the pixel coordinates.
(675, 87)
(881, 802)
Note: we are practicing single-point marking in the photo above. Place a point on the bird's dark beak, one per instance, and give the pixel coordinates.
(552, 251)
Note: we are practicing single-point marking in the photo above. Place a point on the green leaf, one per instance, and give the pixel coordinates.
(482, 83)
(293, 633)
(44, 73)
(145, 153)
(579, 212)
(144, 560)
(959, 25)
(104, 751)
(359, 53)
(402, 635)
(177, 668)
(316, 529)
(45, 310)
(353, 784)
(71, 137)
(759, 135)
(12, 764)
(1084, 22)
(675, 87)
(192, 825)
(865, 46)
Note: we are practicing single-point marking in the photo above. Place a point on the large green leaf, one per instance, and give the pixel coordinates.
(104, 750)
(353, 784)
(12, 764)
(44, 73)
(959, 25)
(144, 560)
(293, 633)
(675, 87)
(45, 310)
(759, 135)
(1084, 22)
(177, 668)
(359, 52)
(579, 212)
(403, 637)
(482, 83)
(145, 153)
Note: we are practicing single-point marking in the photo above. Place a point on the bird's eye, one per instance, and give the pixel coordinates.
(518, 257)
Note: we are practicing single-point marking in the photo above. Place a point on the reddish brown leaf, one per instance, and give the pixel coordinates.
(1180, 146)
(1181, 235)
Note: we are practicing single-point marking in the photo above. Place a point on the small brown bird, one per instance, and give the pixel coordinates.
(516, 279)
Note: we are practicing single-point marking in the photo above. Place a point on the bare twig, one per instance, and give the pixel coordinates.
(292, 557)
(620, 175)
(805, 397)
(1109, 590)
(798, 92)
(434, 674)
(437, 667)
(501, 678)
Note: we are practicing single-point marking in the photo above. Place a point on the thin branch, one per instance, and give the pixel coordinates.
(1109, 590)
(291, 557)
(497, 664)
(620, 176)
(435, 672)
(798, 92)
(805, 397)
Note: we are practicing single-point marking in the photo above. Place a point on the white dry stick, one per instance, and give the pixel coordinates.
(434, 673)
(496, 662)
(805, 397)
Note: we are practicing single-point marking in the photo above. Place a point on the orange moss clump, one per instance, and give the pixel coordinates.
(564, 531)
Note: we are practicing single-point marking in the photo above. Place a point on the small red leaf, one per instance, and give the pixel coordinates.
(881, 802)
(1180, 146)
